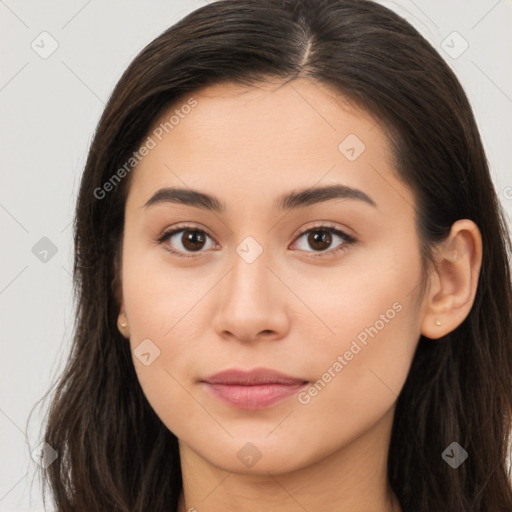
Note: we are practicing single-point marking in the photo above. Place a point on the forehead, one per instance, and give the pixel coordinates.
(239, 141)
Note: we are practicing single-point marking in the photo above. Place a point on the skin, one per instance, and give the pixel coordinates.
(285, 310)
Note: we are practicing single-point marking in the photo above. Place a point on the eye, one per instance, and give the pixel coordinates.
(191, 240)
(321, 237)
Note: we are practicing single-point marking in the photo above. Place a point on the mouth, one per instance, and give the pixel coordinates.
(255, 389)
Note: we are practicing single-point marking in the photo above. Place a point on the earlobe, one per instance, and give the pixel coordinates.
(453, 281)
(122, 321)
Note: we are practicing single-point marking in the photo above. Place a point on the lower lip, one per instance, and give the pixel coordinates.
(253, 397)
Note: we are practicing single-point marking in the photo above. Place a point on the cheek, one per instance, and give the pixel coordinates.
(162, 305)
(352, 395)
(362, 368)
(158, 295)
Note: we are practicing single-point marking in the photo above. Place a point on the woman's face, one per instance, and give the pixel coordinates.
(260, 282)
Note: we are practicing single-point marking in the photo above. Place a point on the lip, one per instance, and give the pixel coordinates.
(252, 389)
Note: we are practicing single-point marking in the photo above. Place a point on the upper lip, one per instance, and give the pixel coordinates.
(252, 377)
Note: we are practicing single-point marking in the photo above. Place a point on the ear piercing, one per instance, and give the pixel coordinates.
(438, 322)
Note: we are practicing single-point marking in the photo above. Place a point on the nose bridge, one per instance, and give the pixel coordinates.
(249, 279)
(250, 298)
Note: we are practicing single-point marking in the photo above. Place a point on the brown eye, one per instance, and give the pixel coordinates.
(193, 240)
(185, 241)
(319, 239)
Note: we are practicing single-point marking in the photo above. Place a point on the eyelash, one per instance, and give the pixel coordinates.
(347, 239)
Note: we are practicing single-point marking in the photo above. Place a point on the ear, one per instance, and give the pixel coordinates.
(117, 288)
(453, 281)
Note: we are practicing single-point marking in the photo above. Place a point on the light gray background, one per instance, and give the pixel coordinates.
(49, 110)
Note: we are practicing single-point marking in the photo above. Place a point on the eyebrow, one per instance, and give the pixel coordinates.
(291, 200)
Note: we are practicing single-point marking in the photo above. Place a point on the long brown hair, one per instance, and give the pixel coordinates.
(114, 452)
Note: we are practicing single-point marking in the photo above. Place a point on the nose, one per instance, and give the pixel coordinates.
(252, 303)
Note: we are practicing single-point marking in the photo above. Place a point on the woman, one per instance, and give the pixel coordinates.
(293, 277)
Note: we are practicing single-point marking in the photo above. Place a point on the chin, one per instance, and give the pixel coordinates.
(256, 456)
